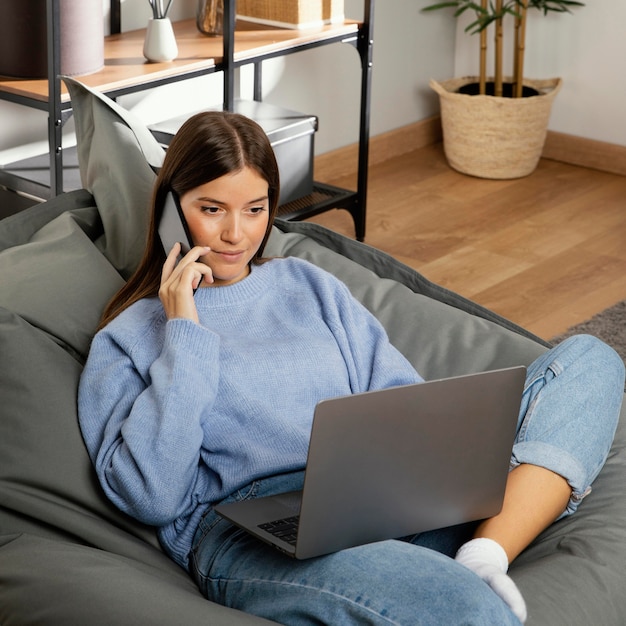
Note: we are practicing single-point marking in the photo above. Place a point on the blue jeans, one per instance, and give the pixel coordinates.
(568, 417)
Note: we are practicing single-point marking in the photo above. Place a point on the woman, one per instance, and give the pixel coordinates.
(185, 402)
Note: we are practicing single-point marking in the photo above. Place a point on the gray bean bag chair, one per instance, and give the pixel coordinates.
(67, 556)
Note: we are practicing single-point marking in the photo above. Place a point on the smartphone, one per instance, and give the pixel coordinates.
(173, 227)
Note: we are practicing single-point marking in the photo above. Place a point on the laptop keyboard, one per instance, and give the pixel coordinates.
(285, 529)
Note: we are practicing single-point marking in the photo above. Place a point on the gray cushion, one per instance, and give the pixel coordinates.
(56, 278)
(117, 156)
(57, 583)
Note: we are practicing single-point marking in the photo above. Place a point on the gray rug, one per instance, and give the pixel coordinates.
(609, 325)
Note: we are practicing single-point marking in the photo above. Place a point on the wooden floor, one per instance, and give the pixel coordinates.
(546, 251)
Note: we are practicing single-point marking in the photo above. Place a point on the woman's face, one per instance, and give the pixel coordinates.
(229, 215)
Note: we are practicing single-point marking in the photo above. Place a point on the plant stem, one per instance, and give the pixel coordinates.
(483, 55)
(498, 51)
(520, 48)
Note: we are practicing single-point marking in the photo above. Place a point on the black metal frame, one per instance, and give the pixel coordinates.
(59, 113)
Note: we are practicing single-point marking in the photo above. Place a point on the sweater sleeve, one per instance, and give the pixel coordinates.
(372, 361)
(142, 423)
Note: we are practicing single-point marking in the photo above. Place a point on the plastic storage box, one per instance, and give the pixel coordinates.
(290, 133)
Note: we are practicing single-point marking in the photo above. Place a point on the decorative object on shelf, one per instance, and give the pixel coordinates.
(23, 36)
(160, 42)
(210, 17)
(495, 127)
(292, 13)
(160, 10)
(333, 11)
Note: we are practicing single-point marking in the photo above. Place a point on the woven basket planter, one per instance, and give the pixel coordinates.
(494, 137)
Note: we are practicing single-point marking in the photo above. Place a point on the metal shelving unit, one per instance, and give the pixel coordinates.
(242, 44)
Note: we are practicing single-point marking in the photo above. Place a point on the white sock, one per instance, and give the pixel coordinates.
(487, 559)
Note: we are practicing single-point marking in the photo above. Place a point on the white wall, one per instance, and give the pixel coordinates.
(409, 48)
(587, 49)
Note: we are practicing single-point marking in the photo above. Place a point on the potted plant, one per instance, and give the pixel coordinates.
(495, 127)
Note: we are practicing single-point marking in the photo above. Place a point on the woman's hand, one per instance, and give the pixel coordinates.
(180, 280)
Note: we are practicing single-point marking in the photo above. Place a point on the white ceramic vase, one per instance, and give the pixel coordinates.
(160, 42)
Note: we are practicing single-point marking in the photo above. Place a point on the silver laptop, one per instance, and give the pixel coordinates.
(391, 463)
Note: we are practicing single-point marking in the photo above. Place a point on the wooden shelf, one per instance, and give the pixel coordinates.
(125, 67)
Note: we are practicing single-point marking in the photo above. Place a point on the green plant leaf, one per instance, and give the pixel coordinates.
(441, 5)
(484, 17)
(556, 6)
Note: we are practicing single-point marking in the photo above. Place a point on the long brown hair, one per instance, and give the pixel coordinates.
(208, 145)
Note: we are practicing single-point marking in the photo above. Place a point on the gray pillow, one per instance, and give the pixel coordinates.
(118, 157)
(19, 228)
(57, 279)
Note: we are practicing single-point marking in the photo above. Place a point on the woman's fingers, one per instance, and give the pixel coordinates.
(170, 262)
(179, 280)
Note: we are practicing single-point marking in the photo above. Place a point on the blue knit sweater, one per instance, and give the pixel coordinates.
(177, 415)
